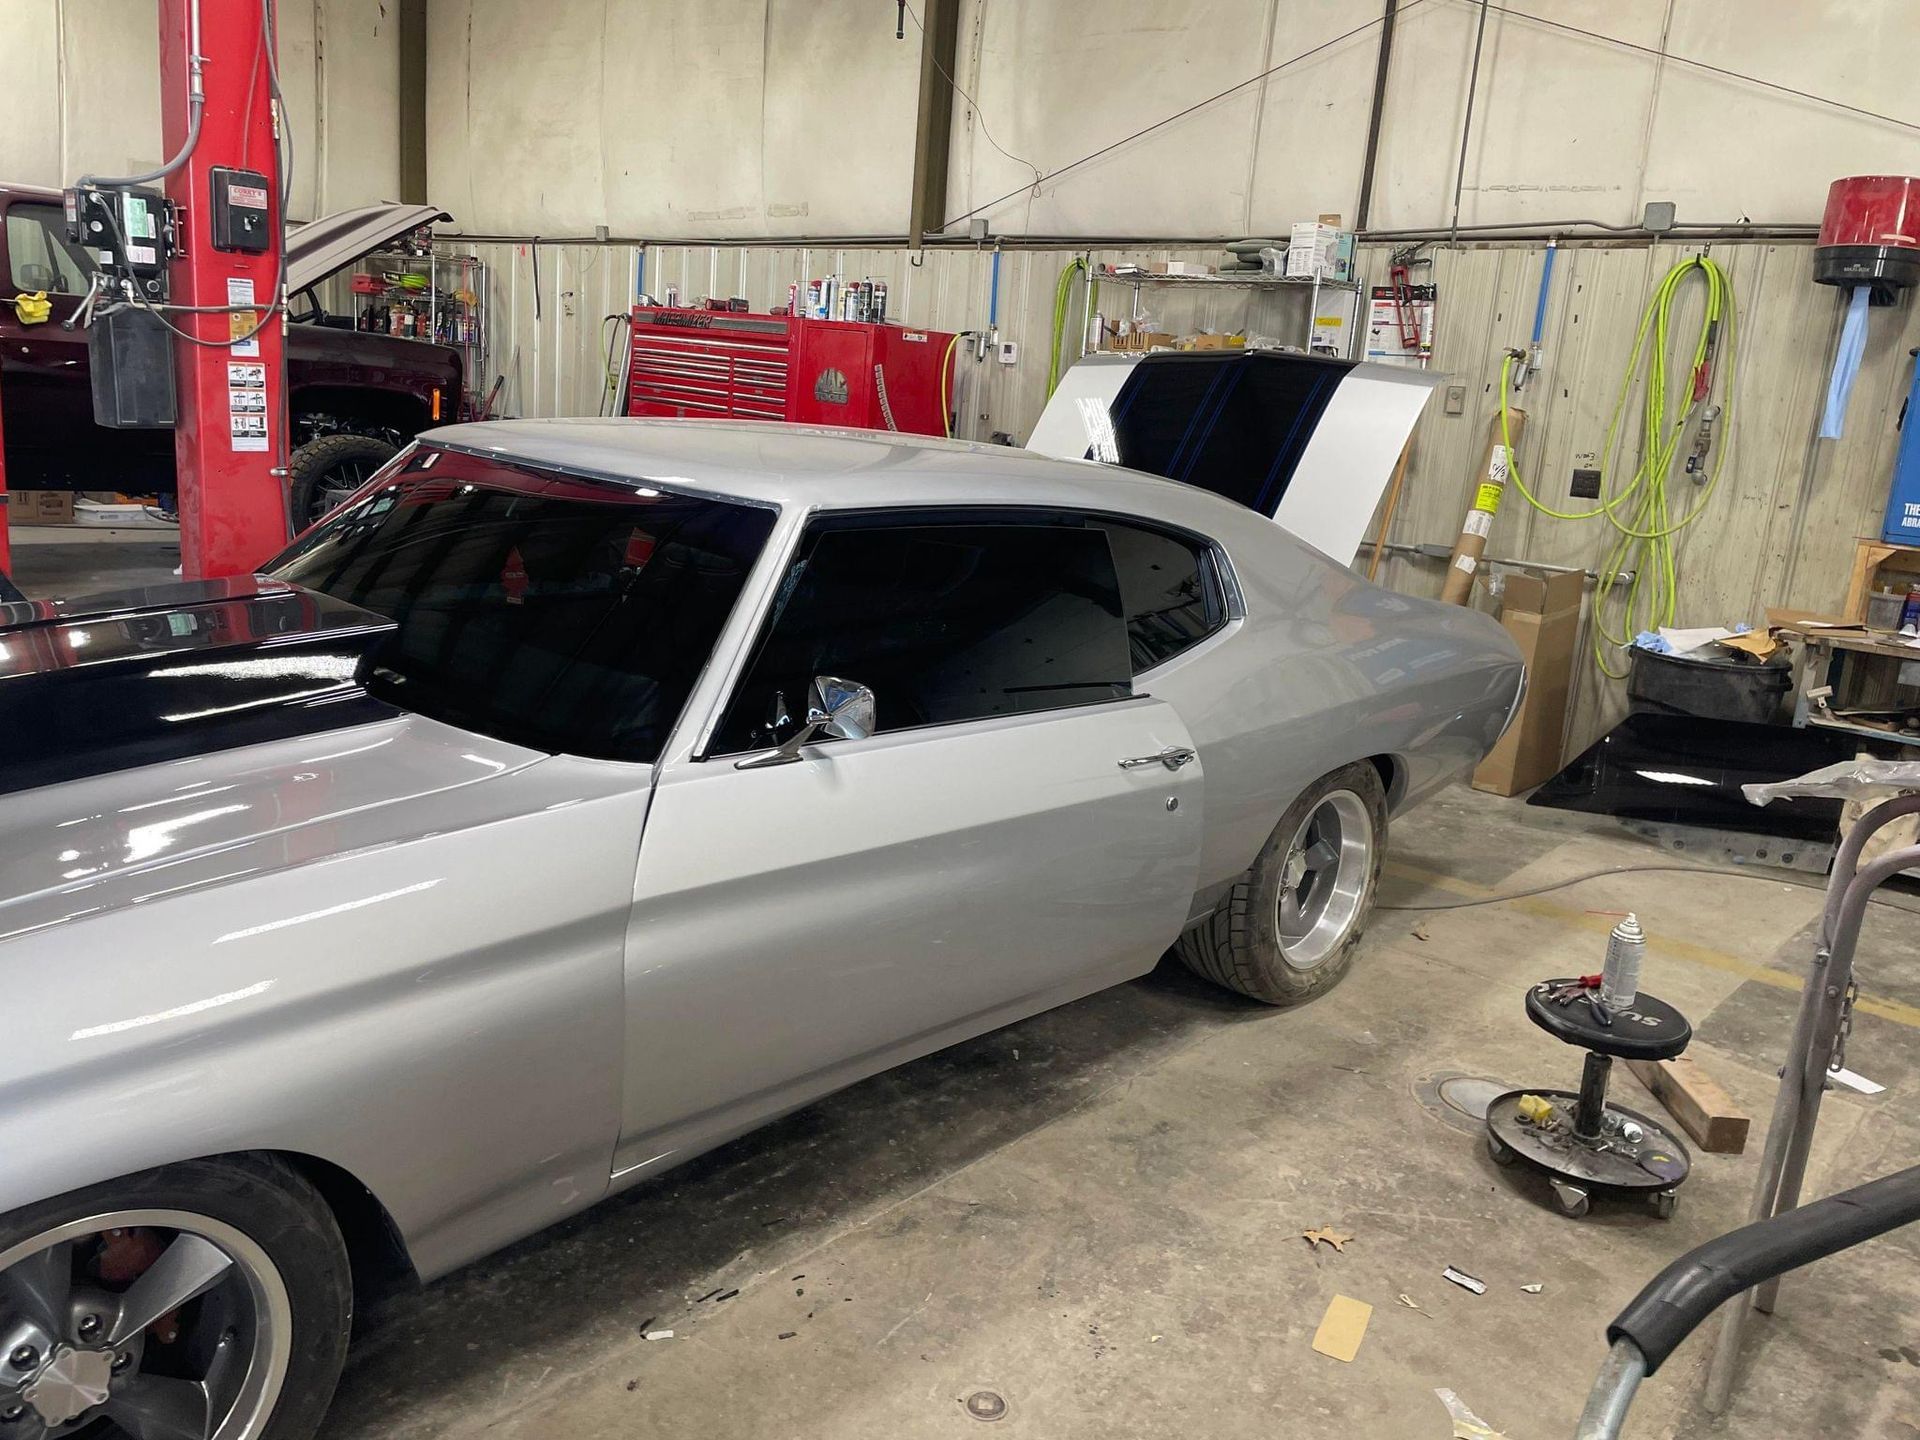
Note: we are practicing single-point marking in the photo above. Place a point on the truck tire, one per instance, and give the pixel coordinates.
(253, 1266)
(1288, 929)
(325, 471)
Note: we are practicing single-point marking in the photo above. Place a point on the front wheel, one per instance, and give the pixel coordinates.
(1288, 929)
(326, 471)
(206, 1299)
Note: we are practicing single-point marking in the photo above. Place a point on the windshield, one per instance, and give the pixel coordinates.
(566, 615)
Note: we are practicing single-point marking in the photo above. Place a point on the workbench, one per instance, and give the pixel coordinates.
(1838, 670)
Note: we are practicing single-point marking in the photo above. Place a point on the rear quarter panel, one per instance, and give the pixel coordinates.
(1323, 670)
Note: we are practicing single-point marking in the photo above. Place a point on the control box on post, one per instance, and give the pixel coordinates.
(131, 230)
(240, 210)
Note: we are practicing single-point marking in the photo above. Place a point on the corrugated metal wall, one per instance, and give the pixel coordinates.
(555, 360)
(1779, 530)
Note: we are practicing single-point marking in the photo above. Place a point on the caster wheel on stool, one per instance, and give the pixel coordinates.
(1665, 1202)
(1502, 1153)
(1572, 1198)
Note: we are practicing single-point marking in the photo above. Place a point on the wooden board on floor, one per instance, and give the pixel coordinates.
(1704, 1110)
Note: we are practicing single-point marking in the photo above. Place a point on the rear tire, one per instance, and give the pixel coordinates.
(1288, 929)
(325, 471)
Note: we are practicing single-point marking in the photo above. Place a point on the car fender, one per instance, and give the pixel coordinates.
(355, 991)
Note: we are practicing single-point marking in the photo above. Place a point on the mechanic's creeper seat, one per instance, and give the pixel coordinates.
(1580, 1142)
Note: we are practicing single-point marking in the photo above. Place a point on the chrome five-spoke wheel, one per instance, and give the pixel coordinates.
(151, 1324)
(1325, 878)
(1287, 929)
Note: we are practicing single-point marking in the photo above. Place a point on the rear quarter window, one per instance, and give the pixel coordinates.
(1170, 590)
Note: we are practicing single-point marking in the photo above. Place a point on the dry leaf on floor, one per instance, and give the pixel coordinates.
(1420, 931)
(1533, 1289)
(1332, 1237)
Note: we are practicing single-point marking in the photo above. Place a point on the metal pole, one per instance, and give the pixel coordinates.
(1592, 1105)
(233, 501)
(1382, 62)
(1796, 1104)
(1612, 1393)
(1466, 125)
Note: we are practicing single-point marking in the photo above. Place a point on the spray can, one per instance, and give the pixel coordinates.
(1620, 976)
(793, 299)
(815, 293)
(877, 304)
(1910, 613)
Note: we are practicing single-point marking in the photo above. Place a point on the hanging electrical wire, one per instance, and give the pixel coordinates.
(1641, 510)
(946, 378)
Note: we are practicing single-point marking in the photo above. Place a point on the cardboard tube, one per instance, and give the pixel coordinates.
(1489, 486)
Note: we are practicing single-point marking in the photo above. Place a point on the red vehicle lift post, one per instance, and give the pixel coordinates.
(232, 485)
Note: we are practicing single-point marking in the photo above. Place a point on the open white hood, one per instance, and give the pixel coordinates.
(1309, 441)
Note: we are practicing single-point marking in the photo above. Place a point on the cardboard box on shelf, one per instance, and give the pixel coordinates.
(40, 507)
(1317, 249)
(1140, 340)
(1541, 611)
(1179, 267)
(1215, 342)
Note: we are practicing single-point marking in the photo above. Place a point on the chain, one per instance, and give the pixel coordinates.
(1839, 1060)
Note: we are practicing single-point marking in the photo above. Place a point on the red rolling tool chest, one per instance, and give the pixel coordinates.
(719, 364)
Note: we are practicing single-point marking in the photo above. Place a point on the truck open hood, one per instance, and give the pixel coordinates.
(318, 248)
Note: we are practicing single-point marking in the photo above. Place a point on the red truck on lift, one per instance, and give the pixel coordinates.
(353, 396)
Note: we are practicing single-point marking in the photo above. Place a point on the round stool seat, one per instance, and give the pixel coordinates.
(1650, 1029)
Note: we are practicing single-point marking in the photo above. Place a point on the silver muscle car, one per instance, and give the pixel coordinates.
(582, 794)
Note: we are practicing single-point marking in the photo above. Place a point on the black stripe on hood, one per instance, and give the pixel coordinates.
(116, 681)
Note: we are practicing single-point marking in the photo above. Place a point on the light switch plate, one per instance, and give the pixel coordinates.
(1456, 399)
(1009, 352)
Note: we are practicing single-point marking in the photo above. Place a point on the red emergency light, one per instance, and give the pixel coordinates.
(1870, 235)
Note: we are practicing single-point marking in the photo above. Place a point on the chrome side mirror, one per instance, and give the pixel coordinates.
(843, 709)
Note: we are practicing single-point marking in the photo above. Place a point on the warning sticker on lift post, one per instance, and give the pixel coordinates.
(247, 405)
(241, 322)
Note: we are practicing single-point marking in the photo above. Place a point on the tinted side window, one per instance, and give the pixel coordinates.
(563, 616)
(1167, 590)
(944, 622)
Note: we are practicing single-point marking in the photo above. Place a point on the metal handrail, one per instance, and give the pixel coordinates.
(1689, 1290)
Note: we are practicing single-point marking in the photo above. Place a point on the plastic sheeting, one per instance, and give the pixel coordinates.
(1846, 364)
(1847, 780)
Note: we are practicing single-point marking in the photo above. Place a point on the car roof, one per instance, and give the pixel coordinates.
(822, 466)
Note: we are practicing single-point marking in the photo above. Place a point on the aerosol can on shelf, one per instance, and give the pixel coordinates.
(1620, 976)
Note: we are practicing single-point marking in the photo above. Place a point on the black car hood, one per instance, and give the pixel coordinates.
(147, 676)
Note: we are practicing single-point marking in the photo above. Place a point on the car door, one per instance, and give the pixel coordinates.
(50, 435)
(1021, 827)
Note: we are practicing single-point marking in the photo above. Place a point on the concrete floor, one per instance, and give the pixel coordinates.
(1096, 1214)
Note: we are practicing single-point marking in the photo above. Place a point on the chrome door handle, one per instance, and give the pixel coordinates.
(1173, 757)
